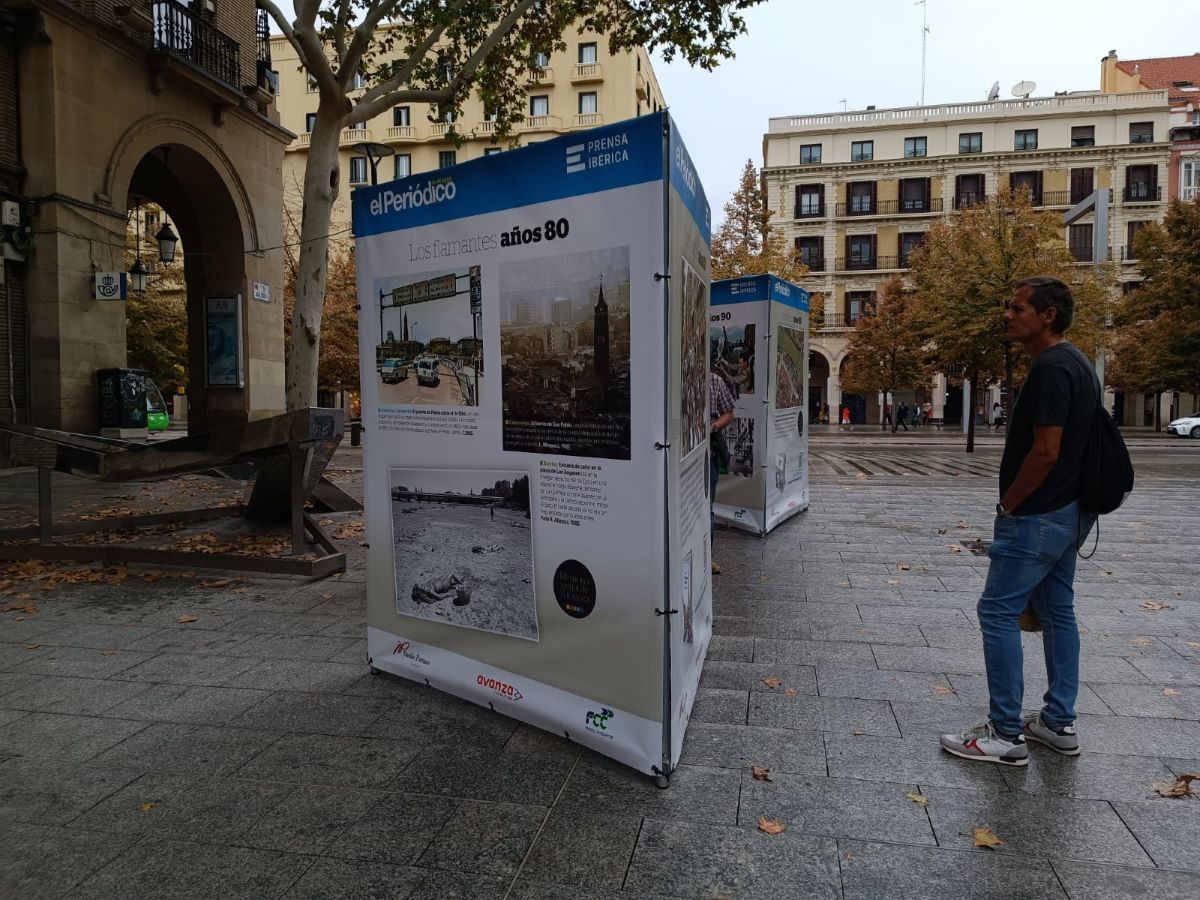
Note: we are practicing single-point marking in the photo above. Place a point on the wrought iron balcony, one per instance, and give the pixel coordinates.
(863, 263)
(816, 264)
(969, 198)
(1141, 192)
(182, 34)
(866, 206)
(811, 212)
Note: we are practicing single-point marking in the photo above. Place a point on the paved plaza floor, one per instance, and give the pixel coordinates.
(178, 737)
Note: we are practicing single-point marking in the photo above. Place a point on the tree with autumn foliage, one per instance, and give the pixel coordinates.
(965, 272)
(337, 368)
(1157, 345)
(440, 52)
(156, 328)
(885, 349)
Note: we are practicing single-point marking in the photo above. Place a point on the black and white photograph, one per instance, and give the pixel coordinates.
(790, 355)
(731, 355)
(741, 447)
(564, 344)
(462, 541)
(780, 471)
(694, 375)
(430, 350)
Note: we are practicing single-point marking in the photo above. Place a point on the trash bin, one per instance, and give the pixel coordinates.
(356, 433)
(122, 394)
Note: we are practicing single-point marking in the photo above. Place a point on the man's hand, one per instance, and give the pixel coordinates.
(722, 422)
(1047, 441)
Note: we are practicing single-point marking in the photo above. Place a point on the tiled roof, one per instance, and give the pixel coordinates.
(1161, 72)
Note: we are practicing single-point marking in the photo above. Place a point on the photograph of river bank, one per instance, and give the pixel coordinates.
(462, 543)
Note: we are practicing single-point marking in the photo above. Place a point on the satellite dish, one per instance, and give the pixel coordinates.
(1023, 89)
(994, 93)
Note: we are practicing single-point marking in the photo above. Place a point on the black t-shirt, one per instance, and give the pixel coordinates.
(1061, 390)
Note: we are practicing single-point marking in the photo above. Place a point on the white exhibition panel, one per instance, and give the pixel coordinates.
(521, 508)
(758, 337)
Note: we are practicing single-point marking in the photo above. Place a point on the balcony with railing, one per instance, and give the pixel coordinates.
(542, 75)
(839, 320)
(401, 133)
(869, 206)
(1189, 193)
(587, 72)
(180, 34)
(542, 123)
(440, 129)
(815, 264)
(810, 211)
(587, 120)
(866, 263)
(1142, 192)
(354, 135)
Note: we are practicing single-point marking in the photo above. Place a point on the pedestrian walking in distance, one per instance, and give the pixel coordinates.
(901, 417)
(1038, 529)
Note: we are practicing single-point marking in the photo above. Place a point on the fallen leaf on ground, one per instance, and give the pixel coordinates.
(892, 581)
(857, 733)
(1142, 642)
(861, 476)
(943, 689)
(789, 692)
(1154, 606)
(327, 596)
(764, 577)
(954, 548)
(770, 826)
(20, 607)
(772, 682)
(942, 530)
(1195, 645)
(904, 567)
(1180, 787)
(108, 652)
(1171, 692)
(917, 797)
(223, 582)
(985, 837)
(31, 646)
(146, 807)
(760, 773)
(184, 619)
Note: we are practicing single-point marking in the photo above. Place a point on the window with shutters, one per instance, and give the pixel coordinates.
(1131, 230)
(858, 304)
(1079, 239)
(812, 252)
(914, 195)
(860, 251)
(1082, 184)
(1029, 182)
(810, 201)
(862, 198)
(968, 190)
(909, 241)
(1141, 183)
(1083, 135)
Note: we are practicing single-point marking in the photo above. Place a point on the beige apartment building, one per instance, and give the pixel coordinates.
(578, 88)
(855, 192)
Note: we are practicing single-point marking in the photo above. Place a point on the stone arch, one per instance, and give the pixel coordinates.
(153, 131)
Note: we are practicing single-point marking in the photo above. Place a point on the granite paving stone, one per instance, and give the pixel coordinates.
(583, 849)
(70, 696)
(98, 637)
(13, 656)
(309, 676)
(874, 870)
(317, 713)
(308, 819)
(443, 722)
(696, 794)
(526, 889)
(74, 738)
(811, 653)
(913, 615)
(735, 649)
(339, 879)
(186, 640)
(291, 646)
(156, 869)
(1156, 737)
(740, 676)
(690, 860)
(760, 626)
(396, 831)
(837, 714)
(336, 760)
(914, 760)
(883, 685)
(202, 749)
(1035, 826)
(1089, 881)
(1089, 776)
(1174, 672)
(835, 807)
(715, 705)
(186, 668)
(183, 807)
(441, 884)
(973, 689)
(278, 623)
(485, 838)
(739, 747)
(906, 635)
(187, 704)
(1152, 701)
(42, 862)
(80, 662)
(1168, 829)
(54, 792)
(486, 774)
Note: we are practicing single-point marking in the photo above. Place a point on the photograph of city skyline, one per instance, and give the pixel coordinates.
(564, 344)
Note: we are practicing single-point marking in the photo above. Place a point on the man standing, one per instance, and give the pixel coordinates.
(721, 404)
(1038, 528)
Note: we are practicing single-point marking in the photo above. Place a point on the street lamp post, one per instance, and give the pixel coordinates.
(373, 151)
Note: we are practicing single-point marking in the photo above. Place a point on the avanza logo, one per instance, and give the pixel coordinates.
(404, 648)
(597, 722)
(507, 691)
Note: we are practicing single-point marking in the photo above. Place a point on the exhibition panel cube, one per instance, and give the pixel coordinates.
(758, 344)
(533, 334)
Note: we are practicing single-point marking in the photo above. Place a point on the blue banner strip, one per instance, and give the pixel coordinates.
(686, 182)
(582, 162)
(751, 288)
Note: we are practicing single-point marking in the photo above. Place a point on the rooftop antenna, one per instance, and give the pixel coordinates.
(843, 102)
(1023, 89)
(924, 38)
(994, 93)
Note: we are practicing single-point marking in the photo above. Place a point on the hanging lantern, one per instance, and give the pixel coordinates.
(167, 240)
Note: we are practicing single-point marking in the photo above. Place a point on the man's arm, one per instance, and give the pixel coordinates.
(1047, 440)
(722, 421)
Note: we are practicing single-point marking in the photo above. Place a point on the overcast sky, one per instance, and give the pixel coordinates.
(802, 56)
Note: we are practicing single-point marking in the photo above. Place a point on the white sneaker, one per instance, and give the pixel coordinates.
(982, 743)
(1064, 740)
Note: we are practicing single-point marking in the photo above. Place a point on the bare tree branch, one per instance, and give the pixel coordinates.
(339, 29)
(417, 54)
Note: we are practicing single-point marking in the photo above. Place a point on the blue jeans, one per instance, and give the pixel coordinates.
(1033, 560)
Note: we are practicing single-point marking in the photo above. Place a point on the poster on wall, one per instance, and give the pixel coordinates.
(758, 344)
(223, 341)
(524, 509)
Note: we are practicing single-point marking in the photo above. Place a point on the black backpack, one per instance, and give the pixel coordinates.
(1105, 469)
